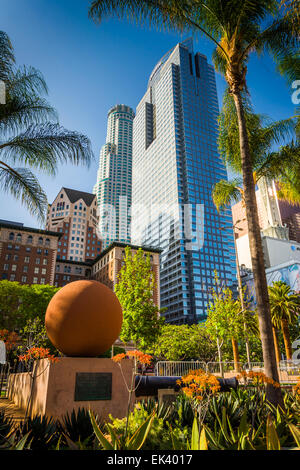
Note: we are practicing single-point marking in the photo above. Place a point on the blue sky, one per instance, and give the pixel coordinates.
(89, 68)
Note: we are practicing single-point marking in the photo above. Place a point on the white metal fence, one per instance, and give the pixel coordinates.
(177, 368)
(289, 371)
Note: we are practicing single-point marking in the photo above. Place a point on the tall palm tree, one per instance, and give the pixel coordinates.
(238, 29)
(263, 134)
(30, 135)
(285, 309)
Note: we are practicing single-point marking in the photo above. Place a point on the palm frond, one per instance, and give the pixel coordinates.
(44, 146)
(24, 186)
(7, 58)
(26, 82)
(20, 113)
(225, 192)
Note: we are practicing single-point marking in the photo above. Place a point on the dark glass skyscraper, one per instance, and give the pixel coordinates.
(175, 165)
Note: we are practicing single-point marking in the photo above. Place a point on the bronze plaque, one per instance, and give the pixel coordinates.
(93, 386)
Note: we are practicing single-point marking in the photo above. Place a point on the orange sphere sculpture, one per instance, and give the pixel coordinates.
(83, 319)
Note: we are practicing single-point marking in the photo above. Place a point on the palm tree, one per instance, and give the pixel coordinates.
(285, 309)
(263, 134)
(238, 29)
(30, 135)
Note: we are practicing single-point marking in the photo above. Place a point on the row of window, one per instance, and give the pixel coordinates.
(19, 237)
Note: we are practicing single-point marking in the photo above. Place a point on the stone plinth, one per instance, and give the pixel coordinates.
(54, 387)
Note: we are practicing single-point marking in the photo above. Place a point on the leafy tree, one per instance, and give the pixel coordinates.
(226, 320)
(30, 135)
(184, 343)
(20, 303)
(238, 29)
(10, 295)
(285, 309)
(135, 289)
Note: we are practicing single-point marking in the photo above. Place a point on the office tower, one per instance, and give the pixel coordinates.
(175, 165)
(114, 179)
(74, 214)
(277, 218)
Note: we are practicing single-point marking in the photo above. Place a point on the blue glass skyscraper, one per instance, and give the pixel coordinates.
(175, 166)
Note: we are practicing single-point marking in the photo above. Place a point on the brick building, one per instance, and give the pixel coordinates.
(106, 267)
(27, 255)
(68, 271)
(74, 214)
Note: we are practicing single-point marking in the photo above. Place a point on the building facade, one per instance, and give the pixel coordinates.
(114, 178)
(74, 215)
(107, 266)
(175, 166)
(67, 271)
(27, 255)
(277, 218)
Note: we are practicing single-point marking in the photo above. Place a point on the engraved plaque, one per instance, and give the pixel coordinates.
(93, 386)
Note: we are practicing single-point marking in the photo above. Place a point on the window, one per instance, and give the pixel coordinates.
(6, 267)
(40, 241)
(11, 236)
(36, 270)
(35, 280)
(26, 259)
(14, 267)
(24, 278)
(29, 239)
(45, 261)
(43, 280)
(44, 270)
(47, 242)
(25, 269)
(12, 277)
(19, 238)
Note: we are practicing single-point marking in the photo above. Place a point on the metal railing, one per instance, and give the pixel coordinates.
(289, 371)
(177, 368)
(224, 368)
(4, 376)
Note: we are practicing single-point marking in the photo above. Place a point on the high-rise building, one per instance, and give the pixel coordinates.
(175, 165)
(114, 179)
(74, 214)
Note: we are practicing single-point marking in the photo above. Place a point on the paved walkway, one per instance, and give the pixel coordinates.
(11, 410)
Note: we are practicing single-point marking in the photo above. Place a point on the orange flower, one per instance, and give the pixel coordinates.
(199, 385)
(257, 378)
(138, 355)
(38, 353)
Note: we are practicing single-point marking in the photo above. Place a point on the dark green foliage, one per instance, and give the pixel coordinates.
(41, 431)
(5, 427)
(77, 427)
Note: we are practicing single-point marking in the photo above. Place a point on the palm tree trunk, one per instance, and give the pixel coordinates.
(276, 344)
(236, 356)
(286, 339)
(257, 257)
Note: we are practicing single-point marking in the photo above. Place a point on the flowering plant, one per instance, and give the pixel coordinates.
(38, 353)
(10, 339)
(197, 384)
(258, 379)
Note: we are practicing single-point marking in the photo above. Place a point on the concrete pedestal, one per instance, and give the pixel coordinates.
(53, 389)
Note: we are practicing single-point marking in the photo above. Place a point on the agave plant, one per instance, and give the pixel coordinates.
(112, 441)
(40, 430)
(77, 428)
